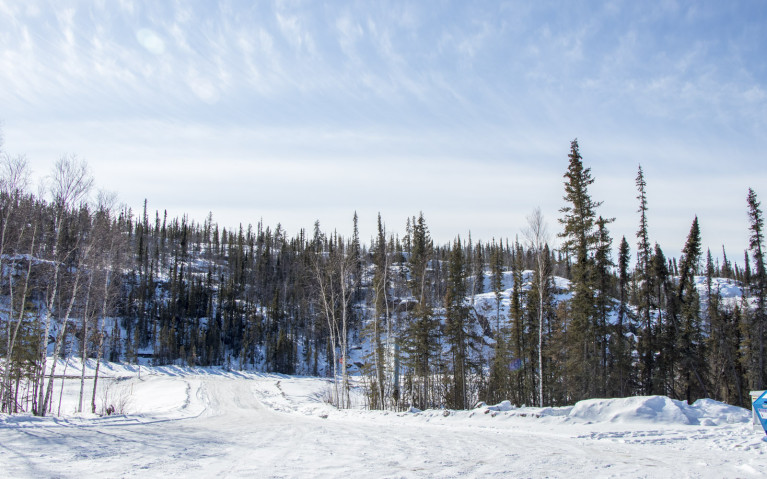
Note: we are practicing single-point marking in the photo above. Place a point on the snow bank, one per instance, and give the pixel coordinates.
(658, 410)
(503, 406)
(708, 412)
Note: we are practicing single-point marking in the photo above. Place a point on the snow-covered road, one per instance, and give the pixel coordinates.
(187, 424)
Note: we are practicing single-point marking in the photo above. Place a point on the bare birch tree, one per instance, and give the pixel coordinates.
(14, 180)
(335, 280)
(108, 234)
(537, 237)
(69, 184)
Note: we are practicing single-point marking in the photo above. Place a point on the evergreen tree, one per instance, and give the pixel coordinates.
(517, 337)
(646, 344)
(457, 329)
(722, 343)
(579, 241)
(381, 315)
(496, 279)
(479, 270)
(499, 382)
(664, 327)
(604, 281)
(422, 328)
(726, 271)
(620, 364)
(691, 368)
(758, 285)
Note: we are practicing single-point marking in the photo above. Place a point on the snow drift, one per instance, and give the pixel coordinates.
(659, 409)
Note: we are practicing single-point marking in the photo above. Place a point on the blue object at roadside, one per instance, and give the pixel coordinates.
(760, 408)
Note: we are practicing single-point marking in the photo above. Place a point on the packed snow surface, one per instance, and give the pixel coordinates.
(187, 422)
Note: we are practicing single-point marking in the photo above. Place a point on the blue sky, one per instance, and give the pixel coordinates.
(291, 111)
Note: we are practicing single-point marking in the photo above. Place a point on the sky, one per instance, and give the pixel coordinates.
(294, 111)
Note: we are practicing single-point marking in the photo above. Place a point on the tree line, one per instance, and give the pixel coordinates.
(422, 324)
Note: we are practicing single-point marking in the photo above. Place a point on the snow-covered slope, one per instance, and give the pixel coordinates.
(183, 422)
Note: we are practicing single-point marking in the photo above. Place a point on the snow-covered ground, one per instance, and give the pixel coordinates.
(182, 422)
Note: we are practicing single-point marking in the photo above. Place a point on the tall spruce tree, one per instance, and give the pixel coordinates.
(579, 241)
(665, 322)
(603, 265)
(456, 329)
(758, 286)
(381, 315)
(422, 327)
(646, 344)
(620, 365)
(499, 382)
(498, 385)
(691, 366)
(517, 336)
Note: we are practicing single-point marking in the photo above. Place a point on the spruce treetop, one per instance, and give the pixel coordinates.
(579, 215)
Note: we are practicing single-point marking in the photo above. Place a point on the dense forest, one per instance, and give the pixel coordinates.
(419, 324)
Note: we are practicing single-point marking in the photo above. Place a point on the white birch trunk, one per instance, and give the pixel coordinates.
(62, 334)
(84, 345)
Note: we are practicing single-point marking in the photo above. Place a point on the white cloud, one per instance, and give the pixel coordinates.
(151, 41)
(127, 6)
(294, 32)
(475, 41)
(755, 94)
(349, 33)
(179, 37)
(182, 12)
(32, 10)
(65, 18)
(202, 87)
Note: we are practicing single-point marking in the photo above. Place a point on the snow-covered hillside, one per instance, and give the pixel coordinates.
(185, 422)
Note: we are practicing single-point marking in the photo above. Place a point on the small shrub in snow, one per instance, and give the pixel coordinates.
(115, 399)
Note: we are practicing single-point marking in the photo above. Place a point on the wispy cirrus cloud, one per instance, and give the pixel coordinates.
(486, 85)
(504, 61)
